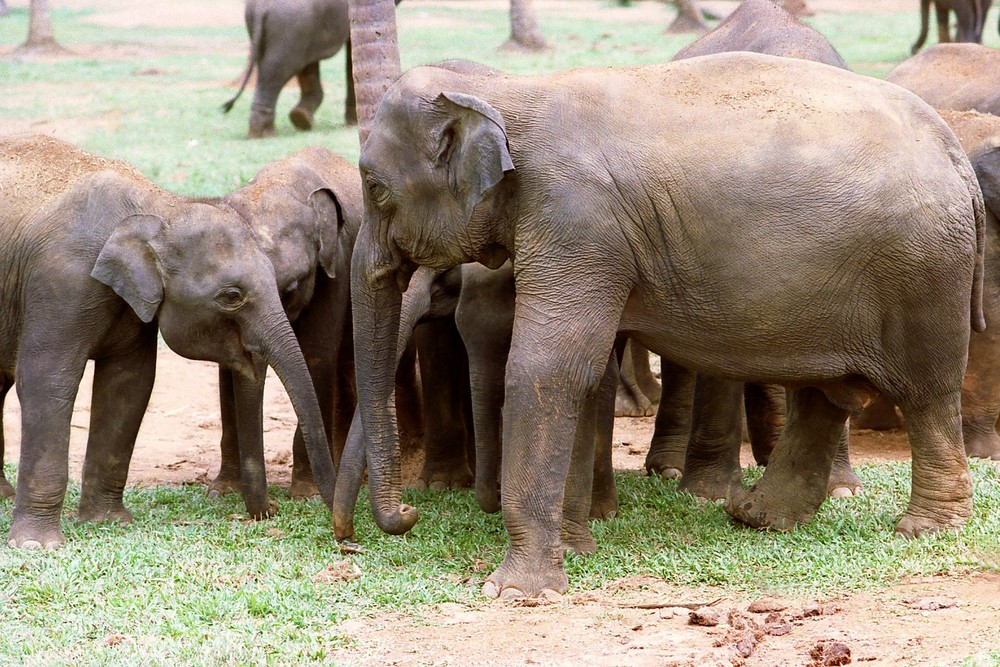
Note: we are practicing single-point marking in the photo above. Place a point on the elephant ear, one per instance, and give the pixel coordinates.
(474, 147)
(128, 264)
(329, 222)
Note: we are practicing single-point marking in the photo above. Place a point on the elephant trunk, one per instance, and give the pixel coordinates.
(280, 349)
(374, 56)
(376, 300)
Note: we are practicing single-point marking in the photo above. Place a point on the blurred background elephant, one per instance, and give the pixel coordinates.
(970, 16)
(960, 77)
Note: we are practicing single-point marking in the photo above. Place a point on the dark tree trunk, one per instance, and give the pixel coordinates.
(796, 7)
(3, 8)
(374, 56)
(525, 35)
(41, 37)
(689, 18)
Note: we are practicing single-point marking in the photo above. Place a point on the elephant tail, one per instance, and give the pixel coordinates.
(978, 319)
(925, 10)
(256, 52)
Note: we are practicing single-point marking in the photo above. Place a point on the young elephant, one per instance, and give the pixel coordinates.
(960, 77)
(969, 14)
(95, 259)
(807, 257)
(305, 211)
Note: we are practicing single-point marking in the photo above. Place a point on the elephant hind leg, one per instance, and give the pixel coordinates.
(6, 382)
(311, 97)
(794, 484)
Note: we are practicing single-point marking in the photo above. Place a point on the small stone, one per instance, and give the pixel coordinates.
(830, 653)
(746, 644)
(766, 605)
(707, 617)
(932, 603)
(776, 625)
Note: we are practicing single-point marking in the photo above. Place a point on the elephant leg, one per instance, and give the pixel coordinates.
(794, 485)
(943, 19)
(311, 96)
(941, 495)
(349, 477)
(444, 377)
(672, 429)
(630, 399)
(604, 497)
(881, 415)
(272, 75)
(249, 396)
(712, 464)
(6, 382)
(765, 410)
(981, 396)
(581, 482)
(409, 402)
(114, 426)
(844, 483)
(47, 385)
(228, 479)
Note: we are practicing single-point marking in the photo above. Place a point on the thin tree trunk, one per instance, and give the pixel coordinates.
(374, 56)
(689, 18)
(41, 37)
(525, 35)
(3, 8)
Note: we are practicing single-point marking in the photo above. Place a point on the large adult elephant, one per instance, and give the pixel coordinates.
(960, 77)
(305, 211)
(96, 259)
(970, 15)
(736, 264)
(289, 38)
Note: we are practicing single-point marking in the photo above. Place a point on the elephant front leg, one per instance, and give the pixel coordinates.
(6, 382)
(122, 386)
(795, 482)
(844, 483)
(47, 392)
(673, 422)
(249, 395)
(228, 479)
(604, 496)
(712, 464)
(311, 97)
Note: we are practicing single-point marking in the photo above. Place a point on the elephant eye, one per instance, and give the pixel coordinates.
(377, 192)
(230, 298)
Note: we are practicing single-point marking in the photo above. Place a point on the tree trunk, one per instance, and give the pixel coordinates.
(525, 35)
(796, 7)
(41, 37)
(374, 56)
(689, 18)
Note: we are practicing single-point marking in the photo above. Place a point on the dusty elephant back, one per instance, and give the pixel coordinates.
(761, 26)
(962, 77)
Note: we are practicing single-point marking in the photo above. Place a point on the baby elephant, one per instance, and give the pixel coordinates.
(94, 259)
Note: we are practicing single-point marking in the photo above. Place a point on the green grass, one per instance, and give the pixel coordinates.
(187, 582)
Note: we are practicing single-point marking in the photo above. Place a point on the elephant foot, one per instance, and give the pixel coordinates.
(301, 118)
(628, 404)
(784, 510)
(666, 457)
(980, 445)
(264, 511)
(224, 484)
(102, 512)
(915, 524)
(488, 497)
(712, 483)
(26, 534)
(843, 482)
(6, 490)
(303, 488)
(523, 578)
(604, 507)
(261, 132)
(576, 539)
(438, 479)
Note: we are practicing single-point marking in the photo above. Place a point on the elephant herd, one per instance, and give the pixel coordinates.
(784, 233)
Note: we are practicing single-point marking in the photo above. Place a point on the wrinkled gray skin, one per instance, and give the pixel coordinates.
(702, 449)
(960, 77)
(305, 211)
(95, 259)
(761, 26)
(970, 15)
(638, 391)
(980, 136)
(726, 262)
(289, 38)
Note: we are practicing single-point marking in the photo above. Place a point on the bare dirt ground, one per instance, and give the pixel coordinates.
(635, 622)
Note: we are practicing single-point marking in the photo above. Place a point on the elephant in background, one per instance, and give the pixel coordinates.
(98, 259)
(761, 26)
(289, 38)
(970, 15)
(305, 211)
(638, 389)
(960, 77)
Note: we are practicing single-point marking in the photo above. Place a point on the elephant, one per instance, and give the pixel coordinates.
(980, 136)
(638, 389)
(960, 77)
(723, 261)
(97, 261)
(289, 38)
(305, 211)
(969, 14)
(761, 26)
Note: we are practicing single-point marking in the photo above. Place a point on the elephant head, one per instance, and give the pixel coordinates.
(433, 171)
(198, 270)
